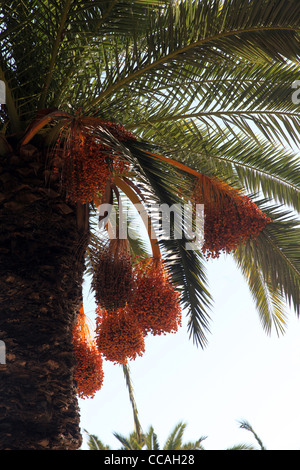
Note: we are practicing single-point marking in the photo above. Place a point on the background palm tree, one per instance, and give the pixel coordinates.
(149, 441)
(206, 86)
(173, 442)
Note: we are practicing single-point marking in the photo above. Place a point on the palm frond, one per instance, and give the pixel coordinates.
(271, 266)
(61, 51)
(189, 36)
(94, 442)
(174, 440)
(127, 445)
(197, 445)
(242, 447)
(151, 440)
(254, 165)
(269, 302)
(245, 425)
(227, 91)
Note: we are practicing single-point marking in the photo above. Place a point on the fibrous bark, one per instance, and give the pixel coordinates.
(41, 272)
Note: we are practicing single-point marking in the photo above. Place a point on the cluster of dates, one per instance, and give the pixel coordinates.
(132, 301)
(230, 217)
(83, 159)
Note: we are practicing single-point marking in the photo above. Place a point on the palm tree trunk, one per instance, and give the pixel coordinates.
(41, 272)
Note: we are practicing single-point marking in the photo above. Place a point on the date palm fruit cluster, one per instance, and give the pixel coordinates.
(118, 336)
(89, 371)
(150, 306)
(83, 159)
(113, 277)
(147, 302)
(155, 302)
(230, 218)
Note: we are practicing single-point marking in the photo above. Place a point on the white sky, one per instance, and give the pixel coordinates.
(243, 374)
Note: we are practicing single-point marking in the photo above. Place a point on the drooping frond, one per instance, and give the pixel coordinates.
(245, 425)
(271, 266)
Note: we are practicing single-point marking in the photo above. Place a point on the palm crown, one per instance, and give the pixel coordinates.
(170, 95)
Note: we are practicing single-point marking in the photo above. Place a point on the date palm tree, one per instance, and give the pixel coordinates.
(161, 102)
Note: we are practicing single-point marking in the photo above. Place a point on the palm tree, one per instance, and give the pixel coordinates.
(204, 92)
(173, 442)
(149, 441)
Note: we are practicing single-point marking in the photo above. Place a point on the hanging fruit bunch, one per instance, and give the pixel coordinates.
(118, 335)
(230, 218)
(123, 293)
(155, 302)
(152, 308)
(85, 160)
(132, 301)
(88, 373)
(113, 275)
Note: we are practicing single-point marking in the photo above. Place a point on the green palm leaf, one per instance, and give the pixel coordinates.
(271, 267)
(245, 425)
(190, 36)
(94, 443)
(174, 440)
(252, 164)
(151, 440)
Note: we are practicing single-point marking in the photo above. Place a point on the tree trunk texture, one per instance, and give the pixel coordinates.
(42, 245)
